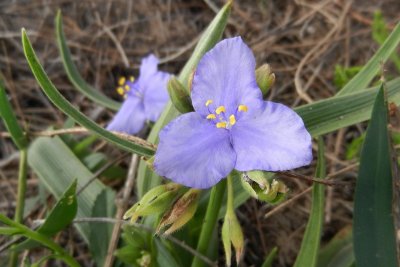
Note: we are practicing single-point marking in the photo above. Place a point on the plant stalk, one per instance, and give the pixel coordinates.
(210, 221)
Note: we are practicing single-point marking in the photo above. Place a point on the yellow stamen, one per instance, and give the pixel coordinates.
(208, 102)
(232, 119)
(120, 91)
(221, 125)
(127, 88)
(220, 109)
(131, 78)
(211, 116)
(121, 81)
(242, 108)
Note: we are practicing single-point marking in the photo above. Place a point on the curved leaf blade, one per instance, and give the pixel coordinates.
(10, 121)
(73, 74)
(65, 106)
(308, 254)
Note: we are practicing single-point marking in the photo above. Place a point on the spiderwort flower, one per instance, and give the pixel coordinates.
(145, 98)
(232, 126)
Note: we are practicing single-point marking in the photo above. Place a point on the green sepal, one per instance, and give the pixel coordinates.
(265, 78)
(179, 96)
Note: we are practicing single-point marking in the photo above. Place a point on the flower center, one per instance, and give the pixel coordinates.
(123, 86)
(219, 116)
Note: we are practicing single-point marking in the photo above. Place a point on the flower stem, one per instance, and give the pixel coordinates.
(19, 210)
(210, 220)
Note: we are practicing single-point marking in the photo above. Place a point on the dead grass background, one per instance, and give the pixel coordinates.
(302, 40)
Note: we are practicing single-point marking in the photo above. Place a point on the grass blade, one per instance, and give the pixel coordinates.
(337, 112)
(147, 178)
(73, 73)
(374, 230)
(308, 254)
(10, 120)
(270, 258)
(55, 96)
(368, 72)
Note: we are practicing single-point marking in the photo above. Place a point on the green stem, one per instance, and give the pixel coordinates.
(210, 220)
(229, 203)
(19, 210)
(25, 231)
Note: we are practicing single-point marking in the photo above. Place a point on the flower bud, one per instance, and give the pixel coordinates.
(232, 234)
(260, 185)
(179, 96)
(265, 78)
(155, 201)
(181, 212)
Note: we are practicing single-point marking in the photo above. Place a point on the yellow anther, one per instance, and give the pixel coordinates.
(208, 102)
(232, 119)
(211, 116)
(131, 78)
(120, 91)
(242, 108)
(127, 88)
(121, 81)
(220, 109)
(221, 125)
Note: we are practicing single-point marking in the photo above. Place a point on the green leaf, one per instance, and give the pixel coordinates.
(9, 231)
(59, 217)
(73, 73)
(307, 256)
(368, 72)
(55, 96)
(57, 166)
(353, 149)
(146, 178)
(374, 229)
(10, 121)
(100, 233)
(270, 257)
(331, 114)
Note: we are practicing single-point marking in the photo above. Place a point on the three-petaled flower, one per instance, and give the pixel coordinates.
(232, 126)
(145, 98)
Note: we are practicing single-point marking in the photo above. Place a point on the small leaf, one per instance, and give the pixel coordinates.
(59, 217)
(374, 230)
(270, 257)
(307, 256)
(55, 96)
(10, 121)
(73, 73)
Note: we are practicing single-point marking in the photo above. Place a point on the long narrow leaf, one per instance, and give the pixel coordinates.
(368, 72)
(308, 254)
(147, 178)
(73, 73)
(10, 120)
(55, 96)
(374, 230)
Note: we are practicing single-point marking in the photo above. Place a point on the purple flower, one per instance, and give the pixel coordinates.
(145, 98)
(232, 126)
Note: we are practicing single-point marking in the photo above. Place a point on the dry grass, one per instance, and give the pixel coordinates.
(302, 40)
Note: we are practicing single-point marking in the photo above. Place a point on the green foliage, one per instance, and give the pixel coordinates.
(339, 251)
(73, 73)
(368, 72)
(59, 217)
(57, 166)
(380, 33)
(307, 256)
(10, 120)
(270, 257)
(55, 96)
(374, 230)
(343, 75)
